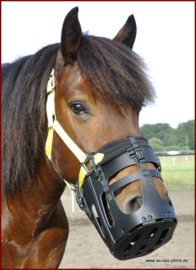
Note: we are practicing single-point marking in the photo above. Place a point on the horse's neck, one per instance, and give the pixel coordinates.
(34, 225)
(35, 204)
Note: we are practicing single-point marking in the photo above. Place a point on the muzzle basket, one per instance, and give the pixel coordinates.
(138, 233)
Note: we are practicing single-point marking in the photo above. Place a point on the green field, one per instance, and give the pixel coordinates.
(178, 172)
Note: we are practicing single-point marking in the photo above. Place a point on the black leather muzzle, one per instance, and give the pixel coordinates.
(134, 234)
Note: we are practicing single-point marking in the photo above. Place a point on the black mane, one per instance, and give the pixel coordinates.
(23, 115)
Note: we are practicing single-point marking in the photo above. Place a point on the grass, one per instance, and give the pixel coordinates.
(178, 172)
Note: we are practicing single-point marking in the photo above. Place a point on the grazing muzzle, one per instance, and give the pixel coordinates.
(137, 233)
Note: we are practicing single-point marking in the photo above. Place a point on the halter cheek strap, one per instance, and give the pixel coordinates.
(53, 124)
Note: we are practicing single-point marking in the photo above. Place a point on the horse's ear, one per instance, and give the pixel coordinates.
(127, 33)
(70, 37)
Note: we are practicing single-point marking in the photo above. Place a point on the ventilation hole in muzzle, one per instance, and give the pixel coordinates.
(95, 212)
(170, 202)
(124, 172)
(129, 197)
(159, 220)
(107, 210)
(97, 220)
(160, 188)
(131, 244)
(152, 233)
(162, 237)
(140, 250)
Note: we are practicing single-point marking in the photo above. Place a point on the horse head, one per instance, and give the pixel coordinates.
(100, 88)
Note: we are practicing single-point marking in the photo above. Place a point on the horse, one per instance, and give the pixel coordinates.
(100, 87)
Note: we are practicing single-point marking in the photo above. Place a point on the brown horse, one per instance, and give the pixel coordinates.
(101, 87)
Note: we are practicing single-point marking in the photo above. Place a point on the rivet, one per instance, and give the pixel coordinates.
(165, 214)
(143, 218)
(170, 214)
(150, 216)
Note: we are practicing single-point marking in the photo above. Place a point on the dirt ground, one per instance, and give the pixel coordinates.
(86, 249)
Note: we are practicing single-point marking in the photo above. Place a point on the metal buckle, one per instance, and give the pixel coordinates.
(131, 152)
(51, 82)
(89, 172)
(139, 154)
(136, 152)
(159, 168)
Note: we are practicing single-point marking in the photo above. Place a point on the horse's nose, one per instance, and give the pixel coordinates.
(133, 204)
(134, 200)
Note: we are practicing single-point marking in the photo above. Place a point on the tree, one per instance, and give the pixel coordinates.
(174, 148)
(157, 130)
(147, 131)
(182, 136)
(170, 138)
(185, 134)
(156, 144)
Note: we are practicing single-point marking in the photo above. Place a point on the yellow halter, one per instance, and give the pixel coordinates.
(53, 124)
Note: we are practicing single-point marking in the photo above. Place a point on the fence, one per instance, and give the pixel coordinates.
(185, 162)
(178, 172)
(175, 153)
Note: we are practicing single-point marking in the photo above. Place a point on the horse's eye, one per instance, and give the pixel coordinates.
(78, 108)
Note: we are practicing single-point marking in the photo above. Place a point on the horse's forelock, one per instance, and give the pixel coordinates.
(115, 72)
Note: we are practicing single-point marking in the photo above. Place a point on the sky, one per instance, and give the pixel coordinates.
(165, 40)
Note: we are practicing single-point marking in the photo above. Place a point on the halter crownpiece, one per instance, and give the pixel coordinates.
(127, 235)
